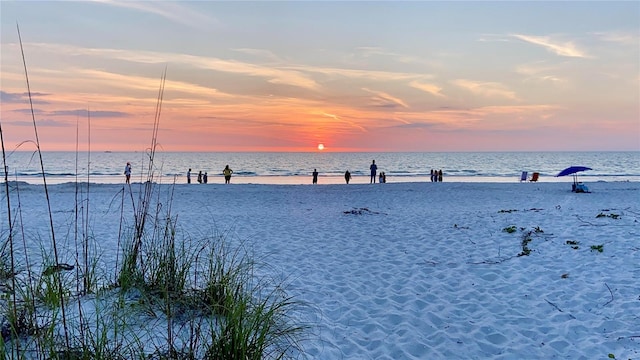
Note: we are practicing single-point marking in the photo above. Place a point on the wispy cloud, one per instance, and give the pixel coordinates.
(385, 100)
(566, 48)
(21, 98)
(351, 123)
(376, 75)
(172, 11)
(285, 74)
(92, 113)
(432, 89)
(488, 89)
(517, 109)
(624, 38)
(335, 117)
(148, 84)
(492, 38)
(43, 123)
(261, 53)
(270, 74)
(378, 51)
(27, 111)
(539, 72)
(7, 97)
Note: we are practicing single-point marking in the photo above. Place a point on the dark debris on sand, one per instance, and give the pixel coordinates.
(361, 211)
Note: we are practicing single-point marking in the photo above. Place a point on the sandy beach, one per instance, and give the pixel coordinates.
(417, 270)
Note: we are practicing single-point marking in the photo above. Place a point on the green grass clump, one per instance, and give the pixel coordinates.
(527, 237)
(510, 229)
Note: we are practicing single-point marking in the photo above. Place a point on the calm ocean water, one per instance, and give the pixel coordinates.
(296, 168)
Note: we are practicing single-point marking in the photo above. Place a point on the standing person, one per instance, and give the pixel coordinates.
(189, 176)
(200, 177)
(384, 177)
(440, 175)
(381, 178)
(347, 176)
(205, 178)
(227, 174)
(374, 170)
(315, 176)
(432, 180)
(127, 172)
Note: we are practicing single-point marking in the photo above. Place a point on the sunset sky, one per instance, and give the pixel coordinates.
(354, 76)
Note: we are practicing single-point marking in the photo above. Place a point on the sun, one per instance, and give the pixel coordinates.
(321, 146)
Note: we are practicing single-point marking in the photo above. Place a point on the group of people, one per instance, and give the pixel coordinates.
(347, 175)
(204, 178)
(382, 178)
(436, 175)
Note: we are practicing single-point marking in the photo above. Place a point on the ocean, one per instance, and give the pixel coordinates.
(296, 168)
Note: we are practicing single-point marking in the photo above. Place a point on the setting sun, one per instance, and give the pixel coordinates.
(320, 146)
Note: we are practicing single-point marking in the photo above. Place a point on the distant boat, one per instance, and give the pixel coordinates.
(108, 151)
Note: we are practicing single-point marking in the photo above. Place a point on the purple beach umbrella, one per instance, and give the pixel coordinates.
(572, 170)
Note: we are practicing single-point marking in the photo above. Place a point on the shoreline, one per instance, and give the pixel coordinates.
(322, 180)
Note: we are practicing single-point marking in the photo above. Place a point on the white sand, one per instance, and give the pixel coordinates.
(425, 271)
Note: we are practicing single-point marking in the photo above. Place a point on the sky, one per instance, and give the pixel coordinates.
(291, 75)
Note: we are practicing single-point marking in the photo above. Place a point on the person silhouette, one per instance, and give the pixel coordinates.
(127, 172)
(189, 176)
(200, 177)
(205, 178)
(315, 176)
(374, 169)
(347, 176)
(227, 174)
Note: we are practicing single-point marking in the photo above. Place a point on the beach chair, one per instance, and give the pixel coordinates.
(534, 177)
(580, 188)
(523, 177)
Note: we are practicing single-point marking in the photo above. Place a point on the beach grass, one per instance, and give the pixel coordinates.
(170, 298)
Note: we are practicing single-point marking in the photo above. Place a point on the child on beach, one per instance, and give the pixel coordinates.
(189, 176)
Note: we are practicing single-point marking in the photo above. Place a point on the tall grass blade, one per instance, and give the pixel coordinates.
(46, 190)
